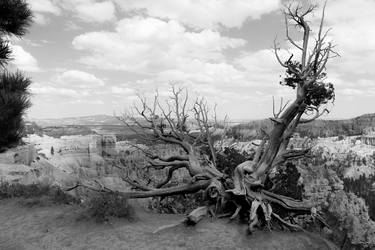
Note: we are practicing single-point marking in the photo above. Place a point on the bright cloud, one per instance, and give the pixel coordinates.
(44, 89)
(204, 13)
(89, 10)
(23, 59)
(151, 45)
(79, 79)
(44, 6)
(352, 24)
(97, 12)
(41, 9)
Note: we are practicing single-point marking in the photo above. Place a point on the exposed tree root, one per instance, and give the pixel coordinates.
(293, 227)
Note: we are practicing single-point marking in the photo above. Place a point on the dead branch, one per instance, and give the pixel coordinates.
(316, 115)
(169, 175)
(161, 165)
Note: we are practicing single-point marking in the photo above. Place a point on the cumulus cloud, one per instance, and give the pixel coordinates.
(45, 89)
(96, 12)
(23, 59)
(151, 45)
(352, 30)
(90, 10)
(203, 13)
(79, 79)
(72, 85)
(44, 6)
(41, 10)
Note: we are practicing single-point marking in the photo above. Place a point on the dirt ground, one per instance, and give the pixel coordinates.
(64, 227)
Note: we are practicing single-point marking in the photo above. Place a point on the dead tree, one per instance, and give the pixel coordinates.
(173, 122)
(191, 130)
(308, 77)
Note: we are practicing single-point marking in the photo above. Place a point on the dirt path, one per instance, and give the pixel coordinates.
(57, 227)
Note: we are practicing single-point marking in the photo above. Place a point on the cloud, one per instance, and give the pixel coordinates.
(351, 23)
(96, 12)
(41, 19)
(90, 10)
(23, 59)
(84, 101)
(120, 90)
(150, 45)
(45, 89)
(79, 79)
(85, 10)
(44, 6)
(71, 84)
(203, 13)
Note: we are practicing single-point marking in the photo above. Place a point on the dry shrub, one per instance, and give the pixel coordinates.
(101, 206)
(36, 194)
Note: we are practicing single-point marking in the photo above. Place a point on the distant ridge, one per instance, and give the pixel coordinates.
(322, 127)
(80, 120)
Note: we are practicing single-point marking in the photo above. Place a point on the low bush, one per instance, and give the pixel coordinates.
(286, 182)
(51, 193)
(230, 158)
(104, 205)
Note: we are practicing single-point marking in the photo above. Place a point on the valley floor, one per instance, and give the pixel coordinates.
(64, 227)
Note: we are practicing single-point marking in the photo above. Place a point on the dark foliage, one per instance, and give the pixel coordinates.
(363, 187)
(229, 159)
(5, 52)
(15, 18)
(317, 92)
(285, 182)
(104, 205)
(14, 100)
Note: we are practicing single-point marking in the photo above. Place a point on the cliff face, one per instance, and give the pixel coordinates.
(353, 228)
(61, 161)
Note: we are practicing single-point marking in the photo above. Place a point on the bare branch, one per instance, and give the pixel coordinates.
(169, 175)
(161, 165)
(287, 34)
(316, 115)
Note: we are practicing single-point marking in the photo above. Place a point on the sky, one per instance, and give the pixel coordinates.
(88, 57)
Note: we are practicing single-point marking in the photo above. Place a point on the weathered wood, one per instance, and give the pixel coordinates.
(287, 202)
(196, 215)
(182, 189)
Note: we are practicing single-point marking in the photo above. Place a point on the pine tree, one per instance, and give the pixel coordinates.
(15, 18)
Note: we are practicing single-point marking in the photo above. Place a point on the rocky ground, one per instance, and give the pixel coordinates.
(66, 227)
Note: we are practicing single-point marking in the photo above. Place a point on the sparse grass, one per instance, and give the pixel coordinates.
(36, 194)
(105, 205)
